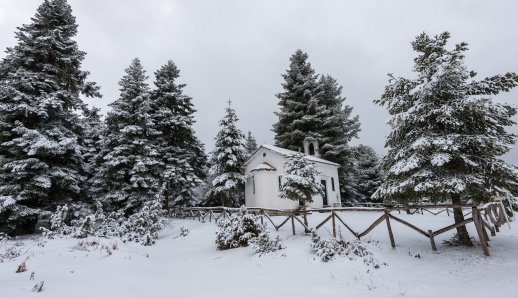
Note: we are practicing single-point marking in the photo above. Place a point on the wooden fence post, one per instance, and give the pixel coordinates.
(432, 240)
(391, 236)
(292, 224)
(478, 226)
(333, 222)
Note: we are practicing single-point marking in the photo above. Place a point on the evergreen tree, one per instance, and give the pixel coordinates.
(182, 153)
(299, 108)
(366, 177)
(313, 106)
(447, 134)
(129, 163)
(251, 144)
(299, 182)
(144, 225)
(227, 158)
(94, 129)
(336, 129)
(41, 81)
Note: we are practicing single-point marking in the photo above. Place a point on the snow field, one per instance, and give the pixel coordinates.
(192, 267)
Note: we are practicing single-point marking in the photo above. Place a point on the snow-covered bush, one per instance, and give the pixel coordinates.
(143, 227)
(264, 243)
(58, 227)
(111, 225)
(238, 229)
(86, 228)
(328, 249)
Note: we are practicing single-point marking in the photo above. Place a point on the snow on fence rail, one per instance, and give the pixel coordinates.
(490, 216)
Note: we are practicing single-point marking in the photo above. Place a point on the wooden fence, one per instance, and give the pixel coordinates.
(489, 217)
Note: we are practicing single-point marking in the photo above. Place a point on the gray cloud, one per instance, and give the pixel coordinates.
(239, 49)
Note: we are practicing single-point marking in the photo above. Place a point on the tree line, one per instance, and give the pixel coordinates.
(446, 141)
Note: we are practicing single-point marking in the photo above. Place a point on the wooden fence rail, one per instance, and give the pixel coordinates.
(490, 216)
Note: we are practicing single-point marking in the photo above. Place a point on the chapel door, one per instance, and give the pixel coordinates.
(324, 195)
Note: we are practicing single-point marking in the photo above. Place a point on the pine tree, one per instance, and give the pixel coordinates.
(93, 128)
(298, 104)
(367, 176)
(251, 144)
(227, 158)
(41, 81)
(182, 153)
(313, 106)
(129, 163)
(447, 134)
(336, 129)
(145, 225)
(299, 182)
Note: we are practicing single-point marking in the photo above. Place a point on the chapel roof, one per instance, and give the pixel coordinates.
(288, 153)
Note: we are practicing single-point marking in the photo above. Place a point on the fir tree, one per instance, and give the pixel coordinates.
(313, 106)
(41, 81)
(251, 144)
(145, 225)
(299, 182)
(366, 175)
(129, 163)
(93, 128)
(227, 158)
(298, 117)
(182, 153)
(447, 134)
(336, 129)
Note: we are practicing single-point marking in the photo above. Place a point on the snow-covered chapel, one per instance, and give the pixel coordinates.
(265, 167)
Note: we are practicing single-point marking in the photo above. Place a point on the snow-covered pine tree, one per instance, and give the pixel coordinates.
(299, 108)
(447, 134)
(239, 229)
(337, 128)
(227, 158)
(299, 182)
(41, 81)
(181, 152)
(129, 164)
(367, 176)
(93, 128)
(251, 144)
(145, 225)
(313, 106)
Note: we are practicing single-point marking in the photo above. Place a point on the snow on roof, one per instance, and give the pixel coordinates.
(287, 153)
(263, 167)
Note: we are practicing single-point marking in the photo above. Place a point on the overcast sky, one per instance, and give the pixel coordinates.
(239, 49)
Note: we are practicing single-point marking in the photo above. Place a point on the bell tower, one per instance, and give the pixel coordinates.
(311, 146)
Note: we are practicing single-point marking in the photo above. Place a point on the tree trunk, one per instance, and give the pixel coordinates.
(165, 195)
(462, 233)
(305, 216)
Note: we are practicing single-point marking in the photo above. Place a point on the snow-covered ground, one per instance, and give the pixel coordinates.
(192, 267)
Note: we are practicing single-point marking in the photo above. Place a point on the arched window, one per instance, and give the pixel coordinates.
(332, 183)
(311, 149)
